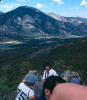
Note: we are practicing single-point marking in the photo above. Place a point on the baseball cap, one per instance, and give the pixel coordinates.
(75, 80)
(31, 78)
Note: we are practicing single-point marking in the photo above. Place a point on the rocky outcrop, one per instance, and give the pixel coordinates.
(39, 84)
(68, 74)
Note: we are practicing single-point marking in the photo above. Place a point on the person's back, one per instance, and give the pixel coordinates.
(24, 92)
(69, 91)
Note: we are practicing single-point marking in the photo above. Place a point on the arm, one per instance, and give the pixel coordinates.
(32, 98)
(44, 76)
(69, 91)
(55, 73)
(31, 95)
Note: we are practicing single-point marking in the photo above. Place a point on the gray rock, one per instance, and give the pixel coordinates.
(67, 75)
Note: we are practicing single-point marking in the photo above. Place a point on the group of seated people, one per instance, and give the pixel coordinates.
(54, 88)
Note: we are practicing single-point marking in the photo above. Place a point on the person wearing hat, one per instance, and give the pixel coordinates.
(75, 80)
(25, 91)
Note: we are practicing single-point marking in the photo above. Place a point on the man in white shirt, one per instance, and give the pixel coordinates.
(24, 91)
(48, 72)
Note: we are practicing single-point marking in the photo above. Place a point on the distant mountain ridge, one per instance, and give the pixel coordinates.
(73, 20)
(56, 16)
(27, 22)
(1, 12)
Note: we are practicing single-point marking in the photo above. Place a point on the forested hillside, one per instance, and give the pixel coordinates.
(71, 56)
(15, 63)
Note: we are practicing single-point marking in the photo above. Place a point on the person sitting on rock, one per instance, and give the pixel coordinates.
(25, 91)
(48, 71)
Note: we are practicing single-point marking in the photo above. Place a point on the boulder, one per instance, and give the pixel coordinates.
(68, 74)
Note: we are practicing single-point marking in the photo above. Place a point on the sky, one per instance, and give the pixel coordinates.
(74, 8)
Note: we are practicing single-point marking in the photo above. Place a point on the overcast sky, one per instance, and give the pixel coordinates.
(62, 7)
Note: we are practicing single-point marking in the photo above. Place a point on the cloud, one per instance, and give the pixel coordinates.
(70, 8)
(7, 7)
(39, 5)
(21, 0)
(75, 8)
(59, 1)
(84, 3)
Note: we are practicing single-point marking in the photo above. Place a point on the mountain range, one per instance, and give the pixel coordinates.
(42, 33)
(18, 62)
(27, 22)
(73, 20)
(1, 12)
